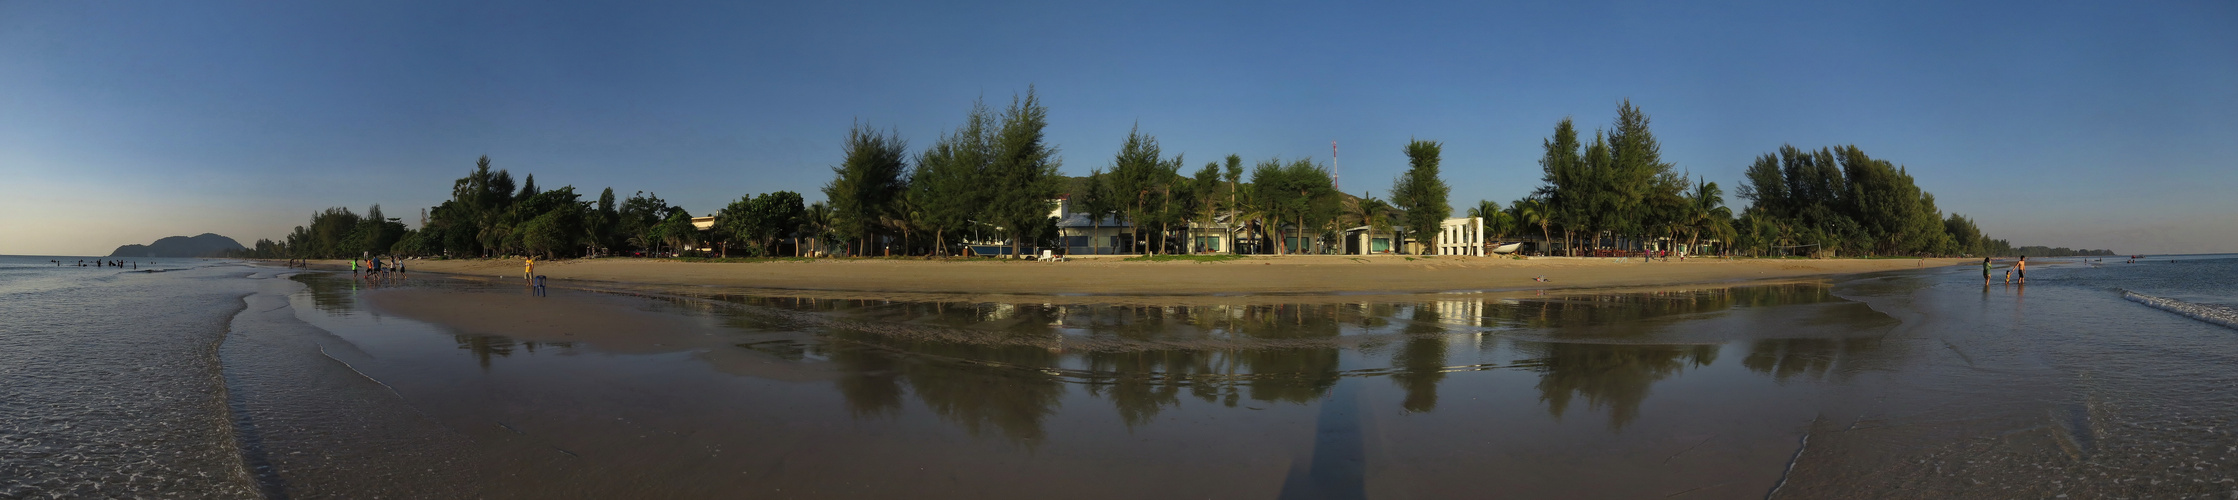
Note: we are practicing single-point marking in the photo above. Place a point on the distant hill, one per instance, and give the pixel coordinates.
(203, 245)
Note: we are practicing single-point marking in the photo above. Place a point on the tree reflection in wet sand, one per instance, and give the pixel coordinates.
(1005, 368)
(1811, 359)
(1614, 377)
(484, 347)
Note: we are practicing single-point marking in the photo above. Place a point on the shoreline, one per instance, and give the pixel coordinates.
(1314, 278)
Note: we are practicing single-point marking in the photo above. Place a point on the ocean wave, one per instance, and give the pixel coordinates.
(2212, 314)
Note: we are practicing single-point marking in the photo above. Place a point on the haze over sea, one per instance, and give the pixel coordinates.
(227, 378)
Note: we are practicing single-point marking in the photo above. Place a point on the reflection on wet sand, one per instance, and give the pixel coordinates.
(1812, 359)
(1036, 378)
(486, 346)
(1001, 369)
(1611, 377)
(1005, 367)
(1711, 392)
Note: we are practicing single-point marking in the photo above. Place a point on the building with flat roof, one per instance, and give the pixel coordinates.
(1462, 236)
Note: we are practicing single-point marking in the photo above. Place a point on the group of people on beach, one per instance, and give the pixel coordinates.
(375, 267)
(104, 263)
(2020, 265)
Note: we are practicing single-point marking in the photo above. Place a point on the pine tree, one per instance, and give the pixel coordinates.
(1421, 193)
(1023, 172)
(866, 183)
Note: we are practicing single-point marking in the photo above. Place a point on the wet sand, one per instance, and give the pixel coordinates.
(616, 323)
(1899, 384)
(900, 279)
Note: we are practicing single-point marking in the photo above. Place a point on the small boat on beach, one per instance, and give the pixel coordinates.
(1507, 248)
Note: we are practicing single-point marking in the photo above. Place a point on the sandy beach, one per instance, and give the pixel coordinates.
(1258, 275)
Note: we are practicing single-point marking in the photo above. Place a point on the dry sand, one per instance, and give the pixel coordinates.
(1113, 277)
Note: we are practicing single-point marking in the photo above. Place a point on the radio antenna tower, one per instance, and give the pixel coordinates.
(1336, 170)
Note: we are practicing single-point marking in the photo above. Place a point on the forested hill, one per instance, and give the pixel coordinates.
(203, 245)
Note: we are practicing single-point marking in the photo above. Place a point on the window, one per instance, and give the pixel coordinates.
(1208, 243)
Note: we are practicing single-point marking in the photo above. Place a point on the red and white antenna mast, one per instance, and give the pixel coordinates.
(1336, 170)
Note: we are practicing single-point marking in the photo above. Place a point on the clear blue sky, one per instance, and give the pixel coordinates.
(2089, 124)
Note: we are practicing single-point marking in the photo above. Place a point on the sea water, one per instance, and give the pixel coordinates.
(219, 378)
(110, 384)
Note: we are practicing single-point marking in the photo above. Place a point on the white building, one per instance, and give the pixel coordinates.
(1463, 236)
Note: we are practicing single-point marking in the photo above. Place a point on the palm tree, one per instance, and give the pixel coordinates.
(819, 224)
(1375, 214)
(905, 216)
(1252, 216)
(1483, 208)
(1534, 212)
(1706, 212)
(1232, 172)
(1495, 222)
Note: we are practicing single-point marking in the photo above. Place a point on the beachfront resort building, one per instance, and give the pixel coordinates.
(1463, 236)
(699, 243)
(1083, 235)
(1458, 236)
(1080, 234)
(1366, 240)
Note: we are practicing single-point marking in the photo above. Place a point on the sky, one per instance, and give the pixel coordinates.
(2078, 124)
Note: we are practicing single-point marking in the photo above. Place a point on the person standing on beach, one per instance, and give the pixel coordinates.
(2022, 267)
(528, 268)
(1985, 271)
(353, 266)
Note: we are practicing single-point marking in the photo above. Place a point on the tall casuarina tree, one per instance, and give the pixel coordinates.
(1140, 181)
(950, 180)
(866, 182)
(1025, 169)
(1562, 198)
(1421, 193)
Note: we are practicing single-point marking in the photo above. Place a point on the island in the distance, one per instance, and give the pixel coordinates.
(203, 245)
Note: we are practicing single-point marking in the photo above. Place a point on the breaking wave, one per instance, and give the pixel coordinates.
(2223, 316)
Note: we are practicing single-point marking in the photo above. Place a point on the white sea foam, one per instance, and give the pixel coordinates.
(2212, 314)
